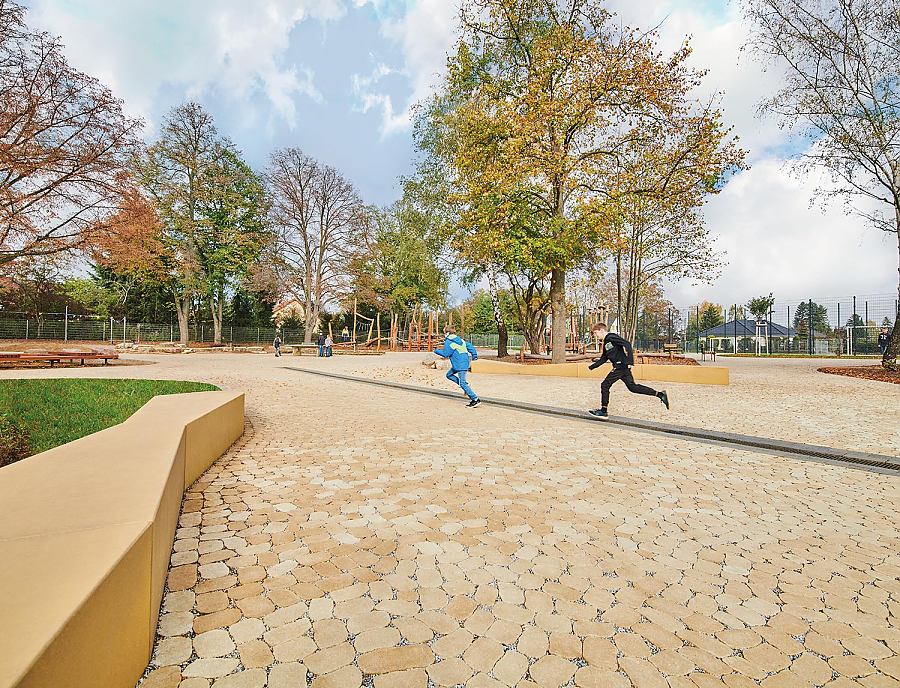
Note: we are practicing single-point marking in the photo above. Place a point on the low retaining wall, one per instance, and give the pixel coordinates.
(698, 375)
(86, 531)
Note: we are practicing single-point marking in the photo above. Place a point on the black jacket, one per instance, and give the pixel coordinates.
(616, 350)
(321, 340)
(883, 338)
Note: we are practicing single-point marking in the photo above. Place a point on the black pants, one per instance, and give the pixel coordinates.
(623, 374)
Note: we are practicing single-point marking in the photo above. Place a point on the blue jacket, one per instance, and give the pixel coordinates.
(457, 351)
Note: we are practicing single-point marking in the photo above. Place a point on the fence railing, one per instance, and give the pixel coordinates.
(830, 326)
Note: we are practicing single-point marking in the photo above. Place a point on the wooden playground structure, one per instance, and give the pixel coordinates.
(424, 334)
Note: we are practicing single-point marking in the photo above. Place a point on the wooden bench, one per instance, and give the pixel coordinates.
(704, 353)
(672, 349)
(14, 356)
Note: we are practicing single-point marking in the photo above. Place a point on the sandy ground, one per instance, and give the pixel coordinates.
(369, 537)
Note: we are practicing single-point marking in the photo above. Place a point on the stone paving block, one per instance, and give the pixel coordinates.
(167, 677)
(172, 651)
(217, 643)
(287, 676)
(395, 659)
(331, 659)
(552, 671)
(449, 672)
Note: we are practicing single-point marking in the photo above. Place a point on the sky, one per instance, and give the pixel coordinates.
(338, 78)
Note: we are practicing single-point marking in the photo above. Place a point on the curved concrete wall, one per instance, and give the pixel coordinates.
(86, 531)
(700, 375)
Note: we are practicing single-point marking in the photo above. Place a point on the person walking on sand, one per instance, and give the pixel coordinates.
(277, 345)
(345, 335)
(458, 351)
(329, 342)
(619, 352)
(321, 342)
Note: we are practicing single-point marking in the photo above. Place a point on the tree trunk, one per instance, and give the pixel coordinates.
(311, 322)
(215, 307)
(889, 360)
(183, 309)
(558, 311)
(502, 336)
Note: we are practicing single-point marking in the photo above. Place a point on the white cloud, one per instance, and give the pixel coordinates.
(717, 41)
(138, 49)
(777, 240)
(425, 33)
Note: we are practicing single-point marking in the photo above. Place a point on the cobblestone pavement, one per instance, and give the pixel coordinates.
(359, 536)
(783, 399)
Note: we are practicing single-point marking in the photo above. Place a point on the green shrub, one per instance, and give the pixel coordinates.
(13, 442)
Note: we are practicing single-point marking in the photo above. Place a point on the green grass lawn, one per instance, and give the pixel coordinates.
(54, 412)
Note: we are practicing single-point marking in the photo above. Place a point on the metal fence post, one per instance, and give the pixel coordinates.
(257, 335)
(853, 331)
(26, 329)
(66, 325)
(811, 335)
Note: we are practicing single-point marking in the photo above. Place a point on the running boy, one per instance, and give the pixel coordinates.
(619, 352)
(458, 351)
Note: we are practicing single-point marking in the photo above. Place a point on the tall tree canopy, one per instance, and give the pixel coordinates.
(541, 100)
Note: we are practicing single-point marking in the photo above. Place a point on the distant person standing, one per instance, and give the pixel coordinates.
(277, 345)
(345, 335)
(458, 351)
(321, 343)
(883, 338)
(329, 342)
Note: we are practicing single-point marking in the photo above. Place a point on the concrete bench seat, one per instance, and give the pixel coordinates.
(86, 534)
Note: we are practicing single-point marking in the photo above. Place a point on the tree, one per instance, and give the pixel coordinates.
(175, 173)
(840, 60)
(319, 221)
(662, 179)
(399, 268)
(65, 146)
(710, 316)
(233, 231)
(539, 94)
(760, 306)
(819, 317)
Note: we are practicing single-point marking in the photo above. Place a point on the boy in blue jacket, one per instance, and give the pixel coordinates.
(458, 351)
(619, 352)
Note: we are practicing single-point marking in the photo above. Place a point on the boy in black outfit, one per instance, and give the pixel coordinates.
(619, 352)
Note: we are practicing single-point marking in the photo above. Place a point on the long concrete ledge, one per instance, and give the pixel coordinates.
(86, 531)
(875, 462)
(698, 375)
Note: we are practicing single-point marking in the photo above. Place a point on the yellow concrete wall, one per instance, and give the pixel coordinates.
(86, 531)
(699, 375)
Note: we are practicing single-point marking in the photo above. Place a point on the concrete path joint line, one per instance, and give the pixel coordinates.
(850, 458)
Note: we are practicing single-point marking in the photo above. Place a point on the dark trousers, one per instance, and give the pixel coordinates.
(623, 374)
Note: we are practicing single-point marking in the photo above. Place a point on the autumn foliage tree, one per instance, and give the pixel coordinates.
(65, 146)
(541, 97)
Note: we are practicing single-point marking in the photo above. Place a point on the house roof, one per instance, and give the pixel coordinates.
(287, 304)
(743, 327)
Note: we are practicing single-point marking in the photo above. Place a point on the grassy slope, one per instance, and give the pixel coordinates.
(54, 412)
